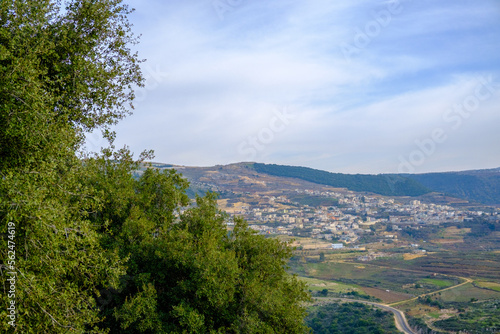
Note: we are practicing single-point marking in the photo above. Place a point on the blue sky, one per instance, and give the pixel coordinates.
(354, 86)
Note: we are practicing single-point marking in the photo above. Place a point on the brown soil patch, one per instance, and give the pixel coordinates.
(311, 244)
(408, 256)
(454, 232)
(448, 241)
(387, 297)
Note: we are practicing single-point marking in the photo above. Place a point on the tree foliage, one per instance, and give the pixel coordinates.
(97, 250)
(62, 71)
(383, 184)
(187, 273)
(350, 318)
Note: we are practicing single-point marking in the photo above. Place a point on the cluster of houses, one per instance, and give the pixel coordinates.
(352, 216)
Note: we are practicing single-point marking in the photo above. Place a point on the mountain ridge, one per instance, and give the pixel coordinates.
(480, 185)
(382, 184)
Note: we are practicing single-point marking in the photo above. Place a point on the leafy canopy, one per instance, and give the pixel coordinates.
(97, 250)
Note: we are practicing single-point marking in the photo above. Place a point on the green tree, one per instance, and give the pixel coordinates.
(350, 318)
(62, 71)
(191, 275)
(97, 250)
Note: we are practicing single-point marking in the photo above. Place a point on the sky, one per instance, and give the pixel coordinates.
(357, 86)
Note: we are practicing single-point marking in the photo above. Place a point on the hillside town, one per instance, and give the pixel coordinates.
(335, 217)
(346, 222)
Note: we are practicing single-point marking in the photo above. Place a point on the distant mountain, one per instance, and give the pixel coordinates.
(481, 186)
(383, 184)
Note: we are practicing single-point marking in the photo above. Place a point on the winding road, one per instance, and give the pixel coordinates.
(399, 316)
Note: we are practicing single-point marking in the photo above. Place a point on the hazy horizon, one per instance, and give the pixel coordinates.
(251, 162)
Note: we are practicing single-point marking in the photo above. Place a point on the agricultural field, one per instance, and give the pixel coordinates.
(464, 264)
(436, 282)
(309, 244)
(402, 284)
(324, 288)
(315, 285)
(468, 292)
(488, 285)
(386, 296)
(422, 286)
(451, 235)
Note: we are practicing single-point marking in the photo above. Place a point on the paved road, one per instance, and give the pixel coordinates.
(399, 316)
(401, 322)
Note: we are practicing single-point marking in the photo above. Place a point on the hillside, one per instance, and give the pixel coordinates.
(382, 184)
(481, 186)
(478, 185)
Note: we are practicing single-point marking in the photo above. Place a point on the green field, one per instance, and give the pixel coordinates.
(488, 285)
(454, 308)
(434, 315)
(366, 275)
(467, 292)
(437, 282)
(334, 287)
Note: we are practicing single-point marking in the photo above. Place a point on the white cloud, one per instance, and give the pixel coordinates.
(222, 81)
